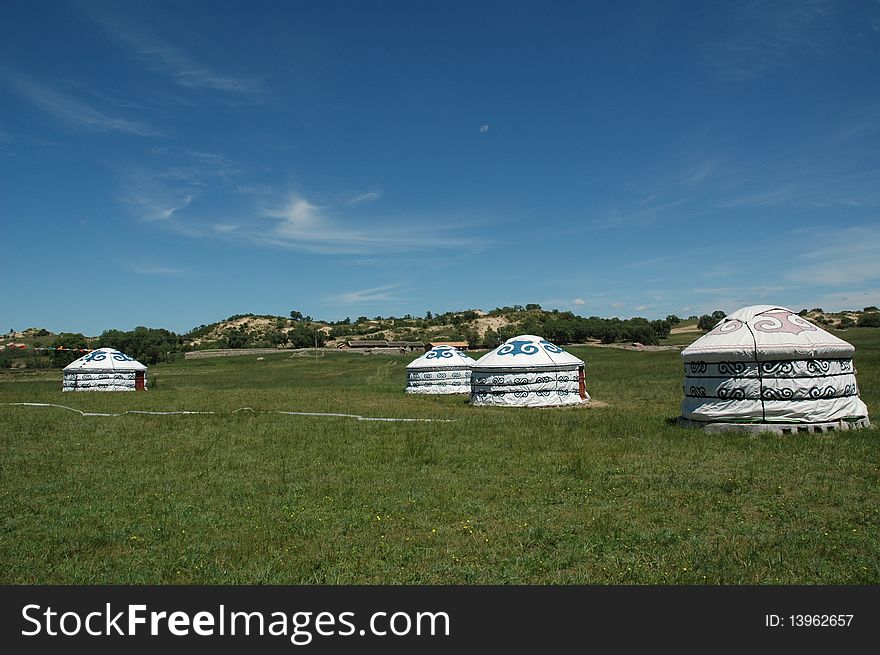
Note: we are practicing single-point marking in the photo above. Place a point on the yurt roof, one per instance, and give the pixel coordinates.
(527, 351)
(441, 357)
(105, 359)
(766, 332)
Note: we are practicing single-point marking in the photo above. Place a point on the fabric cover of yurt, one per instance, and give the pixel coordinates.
(443, 369)
(766, 364)
(528, 371)
(105, 369)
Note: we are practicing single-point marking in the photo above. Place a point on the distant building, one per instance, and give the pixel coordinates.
(458, 345)
(376, 343)
(407, 346)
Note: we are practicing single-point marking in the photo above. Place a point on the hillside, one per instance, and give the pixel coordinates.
(39, 348)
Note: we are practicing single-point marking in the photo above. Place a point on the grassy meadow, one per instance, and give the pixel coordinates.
(611, 493)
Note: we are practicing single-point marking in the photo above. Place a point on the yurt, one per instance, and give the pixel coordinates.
(528, 371)
(766, 367)
(441, 370)
(105, 369)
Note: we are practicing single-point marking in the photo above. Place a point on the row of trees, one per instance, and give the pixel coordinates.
(147, 345)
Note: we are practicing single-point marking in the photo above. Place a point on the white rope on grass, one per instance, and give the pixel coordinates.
(242, 409)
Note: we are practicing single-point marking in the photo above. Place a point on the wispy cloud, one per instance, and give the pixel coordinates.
(71, 111)
(369, 296)
(762, 199)
(300, 224)
(839, 257)
(484, 128)
(647, 211)
(152, 268)
(701, 172)
(153, 196)
(158, 193)
(255, 189)
(361, 198)
(768, 36)
(161, 56)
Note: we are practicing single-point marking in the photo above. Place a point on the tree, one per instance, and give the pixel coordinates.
(871, 319)
(296, 316)
(236, 338)
(707, 322)
(533, 307)
(147, 345)
(72, 342)
(672, 319)
(871, 308)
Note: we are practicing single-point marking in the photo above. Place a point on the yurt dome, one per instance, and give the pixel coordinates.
(765, 364)
(105, 369)
(441, 370)
(528, 371)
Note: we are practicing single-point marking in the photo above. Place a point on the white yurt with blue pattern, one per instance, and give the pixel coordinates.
(105, 369)
(528, 371)
(441, 370)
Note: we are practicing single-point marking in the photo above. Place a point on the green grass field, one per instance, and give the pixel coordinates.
(607, 494)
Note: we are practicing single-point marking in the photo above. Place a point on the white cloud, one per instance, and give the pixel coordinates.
(578, 301)
(159, 55)
(484, 128)
(160, 192)
(71, 111)
(648, 212)
(839, 257)
(369, 196)
(152, 268)
(763, 199)
(254, 189)
(700, 172)
(369, 296)
(305, 226)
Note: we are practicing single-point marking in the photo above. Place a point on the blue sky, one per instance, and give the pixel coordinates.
(171, 164)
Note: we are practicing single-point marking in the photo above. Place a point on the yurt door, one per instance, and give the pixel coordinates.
(582, 385)
(139, 380)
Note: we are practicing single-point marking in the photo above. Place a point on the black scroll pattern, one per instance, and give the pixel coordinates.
(823, 392)
(818, 366)
(731, 368)
(777, 394)
(774, 368)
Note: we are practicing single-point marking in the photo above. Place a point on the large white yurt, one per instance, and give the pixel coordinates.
(441, 370)
(766, 365)
(105, 369)
(528, 371)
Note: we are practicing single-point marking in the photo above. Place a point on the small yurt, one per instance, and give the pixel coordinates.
(765, 365)
(105, 369)
(528, 371)
(441, 370)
